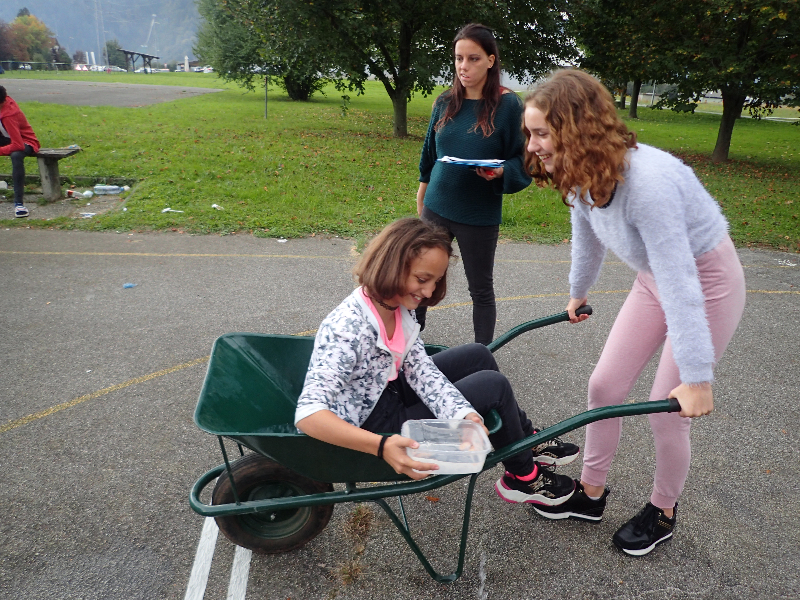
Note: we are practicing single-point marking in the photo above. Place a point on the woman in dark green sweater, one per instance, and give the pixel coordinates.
(475, 119)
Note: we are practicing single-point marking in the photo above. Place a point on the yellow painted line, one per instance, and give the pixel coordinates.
(527, 297)
(557, 295)
(178, 255)
(544, 262)
(309, 332)
(59, 407)
(308, 256)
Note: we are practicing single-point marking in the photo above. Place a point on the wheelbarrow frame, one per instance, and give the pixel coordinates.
(398, 489)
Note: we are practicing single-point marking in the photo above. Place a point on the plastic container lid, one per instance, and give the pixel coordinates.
(458, 446)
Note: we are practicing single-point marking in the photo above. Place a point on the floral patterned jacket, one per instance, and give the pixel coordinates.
(350, 367)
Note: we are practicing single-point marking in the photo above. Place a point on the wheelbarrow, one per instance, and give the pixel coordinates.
(280, 496)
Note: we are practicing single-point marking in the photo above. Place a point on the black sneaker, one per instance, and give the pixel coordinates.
(555, 452)
(579, 506)
(546, 487)
(644, 531)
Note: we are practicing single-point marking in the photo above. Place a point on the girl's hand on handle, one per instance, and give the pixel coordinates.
(394, 453)
(476, 418)
(573, 305)
(696, 400)
(490, 174)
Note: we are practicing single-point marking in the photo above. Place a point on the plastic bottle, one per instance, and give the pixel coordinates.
(107, 189)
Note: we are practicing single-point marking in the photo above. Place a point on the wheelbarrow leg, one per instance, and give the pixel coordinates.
(228, 468)
(406, 533)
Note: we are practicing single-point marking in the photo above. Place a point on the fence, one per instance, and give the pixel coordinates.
(23, 65)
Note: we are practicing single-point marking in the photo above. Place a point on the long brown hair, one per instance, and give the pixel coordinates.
(590, 141)
(386, 262)
(492, 90)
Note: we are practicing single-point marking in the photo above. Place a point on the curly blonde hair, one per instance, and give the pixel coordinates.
(590, 141)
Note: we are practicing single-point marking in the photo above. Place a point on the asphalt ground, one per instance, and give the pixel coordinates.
(91, 93)
(98, 385)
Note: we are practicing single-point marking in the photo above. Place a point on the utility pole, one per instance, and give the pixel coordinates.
(98, 20)
(97, 28)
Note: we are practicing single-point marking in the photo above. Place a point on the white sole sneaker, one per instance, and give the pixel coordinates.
(513, 496)
(552, 460)
(649, 549)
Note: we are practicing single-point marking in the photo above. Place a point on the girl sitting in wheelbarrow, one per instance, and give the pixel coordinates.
(369, 371)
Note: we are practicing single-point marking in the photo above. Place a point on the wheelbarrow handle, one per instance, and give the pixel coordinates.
(580, 420)
(535, 324)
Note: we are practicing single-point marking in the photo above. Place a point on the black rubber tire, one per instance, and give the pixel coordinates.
(270, 532)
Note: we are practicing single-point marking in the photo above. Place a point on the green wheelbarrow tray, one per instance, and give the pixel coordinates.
(249, 396)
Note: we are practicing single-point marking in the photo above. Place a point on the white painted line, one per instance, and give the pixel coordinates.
(202, 561)
(240, 572)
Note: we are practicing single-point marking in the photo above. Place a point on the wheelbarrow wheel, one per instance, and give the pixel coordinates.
(272, 531)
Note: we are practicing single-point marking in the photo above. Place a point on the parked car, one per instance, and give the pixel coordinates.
(97, 68)
(116, 69)
(208, 69)
(25, 66)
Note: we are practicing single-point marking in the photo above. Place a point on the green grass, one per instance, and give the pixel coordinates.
(782, 112)
(309, 169)
(208, 80)
(758, 188)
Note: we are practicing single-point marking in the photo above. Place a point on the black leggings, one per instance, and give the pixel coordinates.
(18, 168)
(477, 246)
(473, 370)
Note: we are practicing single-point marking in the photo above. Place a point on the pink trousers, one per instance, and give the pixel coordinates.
(639, 330)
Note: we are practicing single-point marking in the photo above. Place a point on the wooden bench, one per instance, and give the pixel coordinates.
(48, 169)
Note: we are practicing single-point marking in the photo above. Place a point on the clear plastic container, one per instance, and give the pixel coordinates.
(458, 446)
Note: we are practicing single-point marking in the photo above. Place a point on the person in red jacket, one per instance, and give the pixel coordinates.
(17, 140)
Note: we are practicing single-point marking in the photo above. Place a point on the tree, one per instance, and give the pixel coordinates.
(747, 50)
(227, 45)
(239, 53)
(113, 55)
(60, 55)
(80, 57)
(30, 39)
(24, 12)
(5, 41)
(619, 40)
(407, 44)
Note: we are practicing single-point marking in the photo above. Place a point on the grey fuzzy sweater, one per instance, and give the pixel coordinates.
(660, 219)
